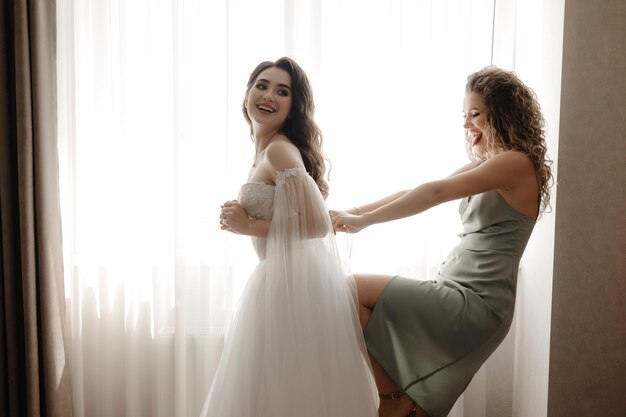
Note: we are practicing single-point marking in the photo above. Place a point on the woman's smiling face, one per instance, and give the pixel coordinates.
(269, 100)
(475, 120)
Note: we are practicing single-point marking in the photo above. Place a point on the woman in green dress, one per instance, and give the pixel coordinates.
(427, 339)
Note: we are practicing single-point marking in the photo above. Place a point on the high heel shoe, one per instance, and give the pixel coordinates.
(392, 396)
(395, 396)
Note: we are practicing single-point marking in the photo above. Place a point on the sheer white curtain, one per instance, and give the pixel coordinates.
(153, 141)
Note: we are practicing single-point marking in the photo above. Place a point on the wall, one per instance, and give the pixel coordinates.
(588, 336)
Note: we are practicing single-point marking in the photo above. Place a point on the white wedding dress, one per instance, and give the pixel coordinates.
(295, 347)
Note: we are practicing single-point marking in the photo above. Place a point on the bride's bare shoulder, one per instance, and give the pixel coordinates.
(282, 154)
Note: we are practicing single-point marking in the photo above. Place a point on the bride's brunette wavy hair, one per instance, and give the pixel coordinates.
(514, 121)
(300, 126)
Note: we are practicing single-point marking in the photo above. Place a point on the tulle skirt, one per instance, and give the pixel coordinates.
(295, 346)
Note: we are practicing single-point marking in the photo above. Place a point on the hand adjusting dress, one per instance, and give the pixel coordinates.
(433, 336)
(295, 346)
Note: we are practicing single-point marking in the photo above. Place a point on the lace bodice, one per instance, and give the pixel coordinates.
(257, 199)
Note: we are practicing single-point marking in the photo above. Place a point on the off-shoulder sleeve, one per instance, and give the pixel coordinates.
(296, 346)
(299, 209)
(307, 277)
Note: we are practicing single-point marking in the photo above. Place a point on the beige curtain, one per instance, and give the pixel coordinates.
(34, 372)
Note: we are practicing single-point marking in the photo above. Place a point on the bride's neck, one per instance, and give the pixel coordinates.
(262, 140)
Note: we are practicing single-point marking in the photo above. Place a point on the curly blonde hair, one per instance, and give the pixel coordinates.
(514, 121)
(300, 127)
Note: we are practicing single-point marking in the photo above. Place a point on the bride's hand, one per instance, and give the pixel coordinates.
(234, 218)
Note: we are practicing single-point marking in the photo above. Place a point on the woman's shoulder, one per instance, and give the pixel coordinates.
(521, 192)
(283, 154)
(280, 143)
(510, 163)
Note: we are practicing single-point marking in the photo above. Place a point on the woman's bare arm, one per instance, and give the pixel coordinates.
(366, 208)
(501, 171)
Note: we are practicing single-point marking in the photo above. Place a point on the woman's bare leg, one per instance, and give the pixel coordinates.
(369, 287)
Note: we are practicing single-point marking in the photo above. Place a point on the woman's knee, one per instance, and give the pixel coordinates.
(369, 287)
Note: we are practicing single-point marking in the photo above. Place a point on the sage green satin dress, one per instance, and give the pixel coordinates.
(432, 336)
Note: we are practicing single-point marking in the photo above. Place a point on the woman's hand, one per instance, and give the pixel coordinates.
(346, 222)
(234, 218)
(335, 213)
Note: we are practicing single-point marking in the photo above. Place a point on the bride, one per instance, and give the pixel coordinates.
(295, 346)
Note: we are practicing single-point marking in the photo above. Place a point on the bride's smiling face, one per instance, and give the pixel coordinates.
(269, 101)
